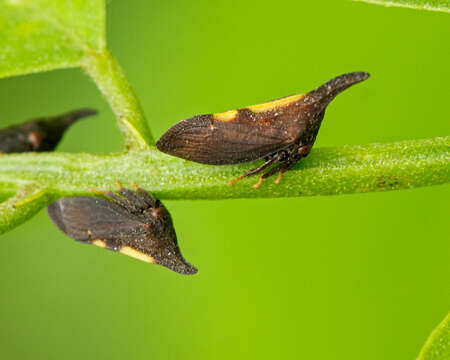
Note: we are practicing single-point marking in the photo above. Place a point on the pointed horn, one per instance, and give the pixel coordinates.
(69, 118)
(328, 91)
(178, 264)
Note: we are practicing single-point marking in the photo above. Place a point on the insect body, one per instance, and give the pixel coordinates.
(281, 132)
(41, 134)
(132, 223)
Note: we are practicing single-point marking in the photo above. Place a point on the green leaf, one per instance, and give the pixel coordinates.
(40, 35)
(437, 346)
(431, 5)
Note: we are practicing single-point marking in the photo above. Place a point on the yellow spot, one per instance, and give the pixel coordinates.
(226, 116)
(137, 254)
(99, 243)
(272, 105)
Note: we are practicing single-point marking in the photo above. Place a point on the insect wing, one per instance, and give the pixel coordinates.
(87, 218)
(199, 140)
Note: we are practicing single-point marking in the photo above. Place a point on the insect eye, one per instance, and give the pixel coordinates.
(157, 213)
(35, 139)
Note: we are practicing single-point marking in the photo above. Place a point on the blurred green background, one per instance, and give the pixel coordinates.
(347, 277)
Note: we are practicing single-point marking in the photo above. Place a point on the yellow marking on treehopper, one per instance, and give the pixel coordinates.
(272, 105)
(137, 254)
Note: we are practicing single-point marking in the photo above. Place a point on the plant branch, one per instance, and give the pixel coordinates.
(112, 82)
(437, 346)
(21, 207)
(326, 171)
(433, 5)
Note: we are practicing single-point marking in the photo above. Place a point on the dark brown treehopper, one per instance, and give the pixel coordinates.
(41, 134)
(281, 132)
(133, 223)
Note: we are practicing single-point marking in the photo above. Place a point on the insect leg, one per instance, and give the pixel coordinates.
(135, 203)
(272, 171)
(258, 184)
(284, 159)
(288, 165)
(282, 168)
(122, 201)
(117, 199)
(134, 199)
(145, 196)
(280, 176)
(126, 198)
(255, 170)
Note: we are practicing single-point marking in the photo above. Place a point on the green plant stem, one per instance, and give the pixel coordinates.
(434, 5)
(112, 82)
(326, 171)
(437, 346)
(21, 207)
